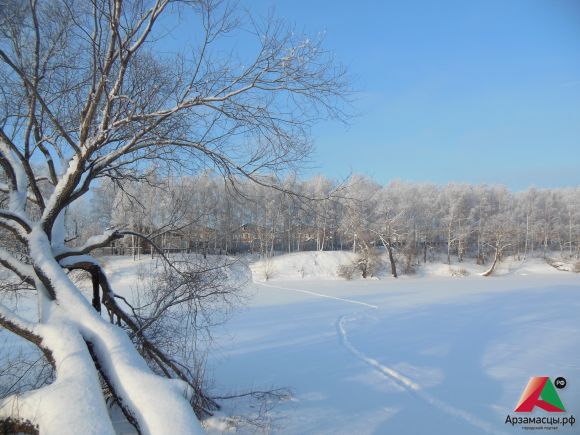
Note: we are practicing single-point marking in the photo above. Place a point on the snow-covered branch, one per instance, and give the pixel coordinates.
(91, 244)
(16, 222)
(24, 271)
(23, 328)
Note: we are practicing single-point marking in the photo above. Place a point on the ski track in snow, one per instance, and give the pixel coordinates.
(351, 301)
(406, 383)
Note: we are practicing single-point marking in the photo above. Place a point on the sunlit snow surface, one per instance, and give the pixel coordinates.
(438, 355)
(428, 354)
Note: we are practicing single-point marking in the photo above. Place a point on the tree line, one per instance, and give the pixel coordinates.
(414, 222)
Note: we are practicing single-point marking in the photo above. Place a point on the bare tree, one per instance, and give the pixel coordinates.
(389, 228)
(499, 234)
(87, 93)
(500, 241)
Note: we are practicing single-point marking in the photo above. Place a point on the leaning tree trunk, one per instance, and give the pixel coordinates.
(489, 271)
(73, 403)
(82, 345)
(388, 246)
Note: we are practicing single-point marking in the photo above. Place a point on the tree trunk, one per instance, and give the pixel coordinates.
(449, 244)
(154, 402)
(492, 268)
(527, 235)
(392, 260)
(388, 246)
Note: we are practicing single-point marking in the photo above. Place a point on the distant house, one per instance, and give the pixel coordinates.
(251, 237)
(246, 233)
(191, 238)
(171, 241)
(202, 238)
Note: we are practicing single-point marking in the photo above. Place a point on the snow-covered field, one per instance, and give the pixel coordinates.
(429, 354)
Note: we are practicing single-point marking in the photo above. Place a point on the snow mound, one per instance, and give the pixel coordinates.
(324, 266)
(532, 266)
(509, 266)
(301, 265)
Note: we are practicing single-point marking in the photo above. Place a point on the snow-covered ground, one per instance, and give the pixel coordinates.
(429, 354)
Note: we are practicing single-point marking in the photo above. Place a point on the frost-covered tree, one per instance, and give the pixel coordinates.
(499, 230)
(87, 93)
(421, 220)
(389, 221)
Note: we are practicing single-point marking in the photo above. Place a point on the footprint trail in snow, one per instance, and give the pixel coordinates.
(408, 384)
(320, 295)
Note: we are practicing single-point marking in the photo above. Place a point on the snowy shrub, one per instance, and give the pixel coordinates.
(368, 262)
(346, 271)
(577, 267)
(373, 263)
(458, 272)
(268, 268)
(408, 265)
(564, 267)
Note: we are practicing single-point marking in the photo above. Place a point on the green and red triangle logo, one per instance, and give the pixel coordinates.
(540, 392)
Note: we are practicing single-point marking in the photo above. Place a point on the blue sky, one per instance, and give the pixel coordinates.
(451, 90)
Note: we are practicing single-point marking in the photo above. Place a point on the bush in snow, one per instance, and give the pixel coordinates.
(346, 271)
(458, 272)
(369, 261)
